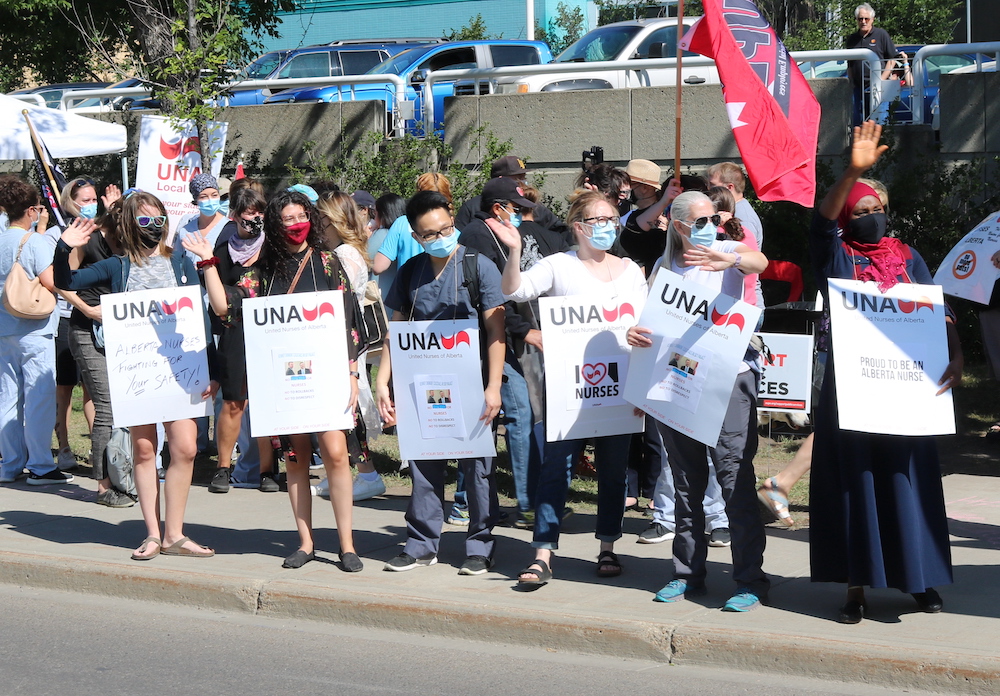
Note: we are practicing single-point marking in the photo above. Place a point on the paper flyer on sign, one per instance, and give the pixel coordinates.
(706, 333)
(891, 349)
(169, 156)
(968, 271)
(587, 363)
(437, 380)
(298, 371)
(154, 342)
(786, 382)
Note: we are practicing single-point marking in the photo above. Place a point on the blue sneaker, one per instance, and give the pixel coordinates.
(675, 590)
(745, 599)
(459, 515)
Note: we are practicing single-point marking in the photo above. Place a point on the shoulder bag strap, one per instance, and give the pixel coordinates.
(24, 241)
(298, 274)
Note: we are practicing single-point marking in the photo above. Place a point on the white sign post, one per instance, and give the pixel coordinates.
(585, 377)
(298, 372)
(968, 271)
(891, 349)
(154, 341)
(786, 384)
(699, 338)
(437, 379)
(169, 157)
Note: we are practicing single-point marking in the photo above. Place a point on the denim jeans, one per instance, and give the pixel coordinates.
(610, 461)
(523, 447)
(247, 467)
(94, 372)
(27, 403)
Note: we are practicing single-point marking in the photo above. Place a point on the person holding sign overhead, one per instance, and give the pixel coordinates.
(295, 257)
(146, 264)
(591, 271)
(694, 252)
(877, 514)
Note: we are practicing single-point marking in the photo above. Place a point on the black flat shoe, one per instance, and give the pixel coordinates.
(298, 559)
(351, 563)
(929, 600)
(852, 612)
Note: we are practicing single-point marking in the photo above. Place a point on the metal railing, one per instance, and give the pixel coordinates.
(37, 99)
(437, 76)
(920, 71)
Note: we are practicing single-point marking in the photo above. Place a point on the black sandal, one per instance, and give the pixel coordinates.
(608, 558)
(541, 577)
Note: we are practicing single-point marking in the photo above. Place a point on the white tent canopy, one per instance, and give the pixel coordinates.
(65, 134)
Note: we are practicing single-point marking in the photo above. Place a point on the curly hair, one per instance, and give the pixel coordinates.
(342, 219)
(16, 196)
(274, 253)
(128, 234)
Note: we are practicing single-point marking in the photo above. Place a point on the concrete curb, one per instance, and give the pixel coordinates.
(677, 643)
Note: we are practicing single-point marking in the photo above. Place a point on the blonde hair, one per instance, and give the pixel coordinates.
(341, 213)
(66, 201)
(880, 189)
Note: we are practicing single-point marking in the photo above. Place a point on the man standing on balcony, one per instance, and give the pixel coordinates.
(871, 37)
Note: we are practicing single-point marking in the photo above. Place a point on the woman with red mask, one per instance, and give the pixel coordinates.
(295, 257)
(877, 514)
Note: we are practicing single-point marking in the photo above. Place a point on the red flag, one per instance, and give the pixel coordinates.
(239, 171)
(772, 110)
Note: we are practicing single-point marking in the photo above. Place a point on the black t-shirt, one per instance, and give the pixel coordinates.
(96, 249)
(877, 40)
(643, 247)
(543, 216)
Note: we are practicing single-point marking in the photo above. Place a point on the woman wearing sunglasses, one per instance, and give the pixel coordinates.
(146, 263)
(694, 251)
(592, 271)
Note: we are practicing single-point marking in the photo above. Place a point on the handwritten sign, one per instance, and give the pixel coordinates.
(968, 271)
(154, 341)
(891, 349)
(298, 374)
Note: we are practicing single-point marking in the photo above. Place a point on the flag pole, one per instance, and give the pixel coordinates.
(38, 149)
(677, 106)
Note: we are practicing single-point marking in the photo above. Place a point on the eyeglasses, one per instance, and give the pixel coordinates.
(864, 19)
(292, 219)
(602, 220)
(151, 220)
(443, 232)
(704, 220)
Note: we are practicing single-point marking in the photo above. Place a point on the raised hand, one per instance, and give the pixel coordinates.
(196, 243)
(111, 194)
(505, 232)
(78, 232)
(865, 150)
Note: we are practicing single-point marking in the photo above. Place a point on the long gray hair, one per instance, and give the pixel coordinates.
(680, 209)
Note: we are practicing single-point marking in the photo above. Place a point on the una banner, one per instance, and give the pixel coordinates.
(968, 271)
(700, 337)
(772, 110)
(298, 373)
(585, 387)
(154, 343)
(437, 382)
(169, 156)
(891, 349)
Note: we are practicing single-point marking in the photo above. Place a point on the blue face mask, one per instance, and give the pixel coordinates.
(703, 235)
(209, 207)
(224, 207)
(515, 219)
(89, 211)
(442, 247)
(603, 237)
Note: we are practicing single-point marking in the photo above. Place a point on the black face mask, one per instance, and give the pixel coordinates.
(624, 206)
(254, 226)
(868, 229)
(149, 237)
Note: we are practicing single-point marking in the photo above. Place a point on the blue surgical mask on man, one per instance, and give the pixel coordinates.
(209, 206)
(603, 237)
(442, 247)
(703, 235)
(88, 211)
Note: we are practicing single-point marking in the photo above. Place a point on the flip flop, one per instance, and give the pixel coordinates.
(608, 558)
(143, 547)
(775, 502)
(177, 549)
(542, 576)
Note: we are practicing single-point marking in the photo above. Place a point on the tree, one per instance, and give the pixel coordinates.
(475, 30)
(564, 29)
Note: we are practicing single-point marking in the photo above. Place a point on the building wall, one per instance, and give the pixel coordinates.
(323, 21)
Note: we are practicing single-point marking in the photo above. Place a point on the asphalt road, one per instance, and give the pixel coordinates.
(69, 644)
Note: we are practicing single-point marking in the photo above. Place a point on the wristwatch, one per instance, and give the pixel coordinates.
(355, 375)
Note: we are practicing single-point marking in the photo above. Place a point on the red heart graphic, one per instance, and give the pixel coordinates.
(594, 373)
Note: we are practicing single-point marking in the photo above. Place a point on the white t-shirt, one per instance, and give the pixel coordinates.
(564, 274)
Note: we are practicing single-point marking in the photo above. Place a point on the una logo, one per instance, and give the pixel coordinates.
(134, 310)
(431, 341)
(965, 264)
(285, 315)
(728, 319)
(872, 303)
(172, 151)
(590, 375)
(586, 315)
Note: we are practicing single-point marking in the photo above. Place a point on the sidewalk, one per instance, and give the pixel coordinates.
(54, 537)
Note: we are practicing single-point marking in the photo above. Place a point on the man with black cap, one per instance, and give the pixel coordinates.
(501, 204)
(509, 167)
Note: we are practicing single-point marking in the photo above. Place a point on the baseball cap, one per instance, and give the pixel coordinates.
(505, 189)
(507, 166)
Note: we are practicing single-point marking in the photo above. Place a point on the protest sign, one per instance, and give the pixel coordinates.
(891, 349)
(786, 382)
(169, 156)
(298, 372)
(437, 379)
(154, 341)
(699, 339)
(968, 271)
(585, 379)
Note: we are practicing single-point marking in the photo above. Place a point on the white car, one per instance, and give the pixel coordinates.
(631, 40)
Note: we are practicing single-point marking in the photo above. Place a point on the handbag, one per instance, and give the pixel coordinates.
(374, 318)
(24, 298)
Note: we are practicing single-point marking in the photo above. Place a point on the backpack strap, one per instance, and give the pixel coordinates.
(470, 277)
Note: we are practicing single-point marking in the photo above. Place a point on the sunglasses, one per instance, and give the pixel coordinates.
(704, 220)
(81, 183)
(151, 220)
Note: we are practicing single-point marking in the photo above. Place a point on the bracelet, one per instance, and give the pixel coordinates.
(738, 261)
(214, 261)
(355, 375)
